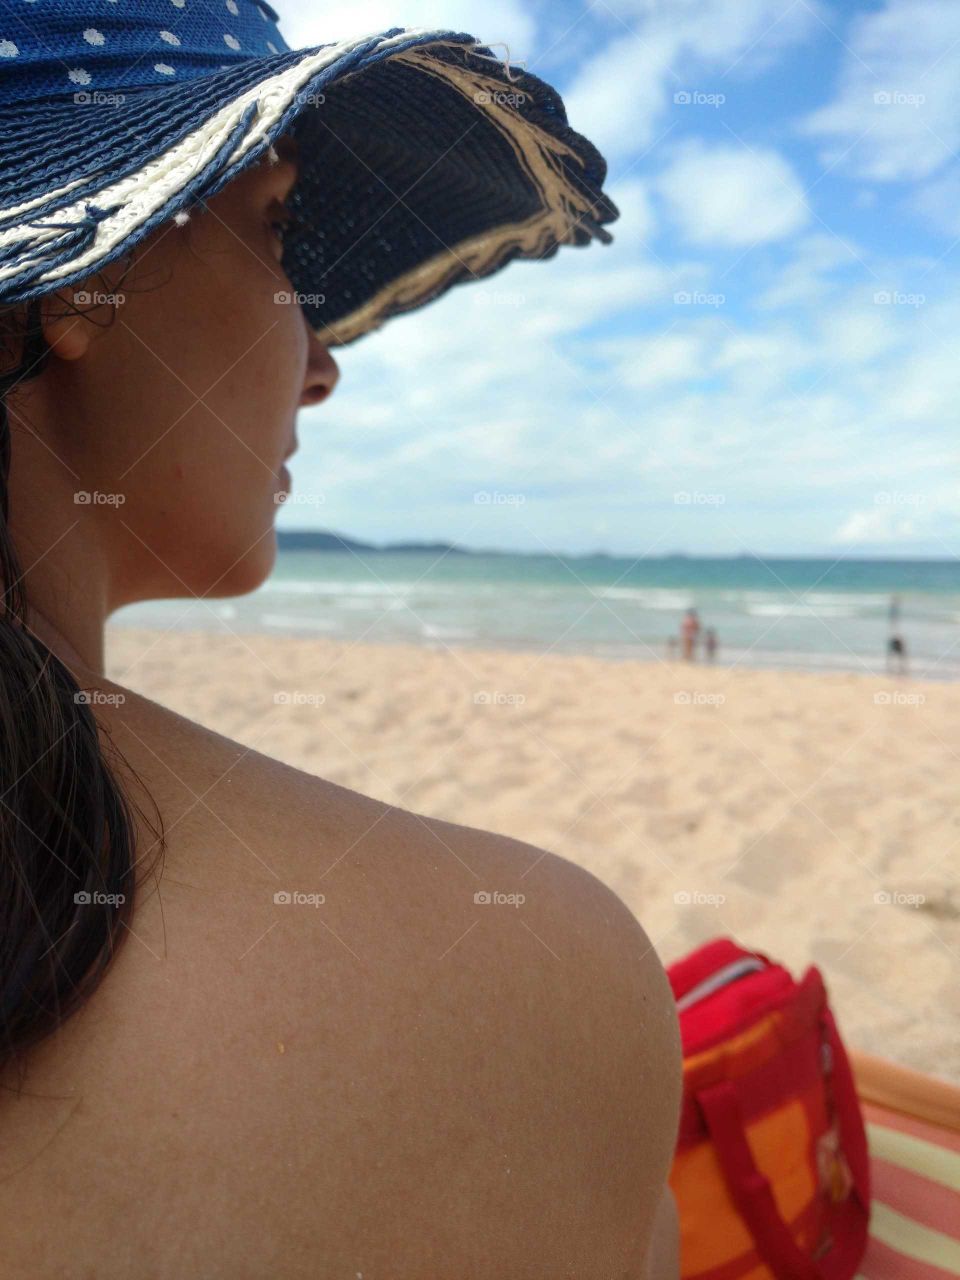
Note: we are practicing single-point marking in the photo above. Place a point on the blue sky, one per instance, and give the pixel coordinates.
(765, 359)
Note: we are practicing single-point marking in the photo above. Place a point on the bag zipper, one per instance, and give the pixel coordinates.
(722, 978)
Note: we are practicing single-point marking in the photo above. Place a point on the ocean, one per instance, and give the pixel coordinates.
(807, 614)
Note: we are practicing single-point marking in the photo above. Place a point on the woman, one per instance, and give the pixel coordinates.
(202, 1078)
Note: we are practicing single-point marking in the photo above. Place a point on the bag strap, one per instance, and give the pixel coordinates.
(843, 1089)
(749, 1188)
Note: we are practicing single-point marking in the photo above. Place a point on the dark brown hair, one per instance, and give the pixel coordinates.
(67, 830)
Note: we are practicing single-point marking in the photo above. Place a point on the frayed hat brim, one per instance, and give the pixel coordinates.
(424, 160)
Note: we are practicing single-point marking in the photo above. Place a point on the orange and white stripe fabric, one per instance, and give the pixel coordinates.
(913, 1132)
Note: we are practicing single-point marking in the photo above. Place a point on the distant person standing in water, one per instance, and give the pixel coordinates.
(710, 644)
(896, 645)
(689, 631)
(897, 655)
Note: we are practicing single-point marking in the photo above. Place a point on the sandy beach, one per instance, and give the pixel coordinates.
(813, 817)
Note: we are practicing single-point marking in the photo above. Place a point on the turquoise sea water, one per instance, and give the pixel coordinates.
(810, 614)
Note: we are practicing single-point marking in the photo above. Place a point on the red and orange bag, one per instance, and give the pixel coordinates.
(770, 1174)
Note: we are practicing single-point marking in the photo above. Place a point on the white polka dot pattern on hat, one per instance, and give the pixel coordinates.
(114, 44)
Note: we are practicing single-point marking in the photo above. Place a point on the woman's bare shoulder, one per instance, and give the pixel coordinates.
(351, 1038)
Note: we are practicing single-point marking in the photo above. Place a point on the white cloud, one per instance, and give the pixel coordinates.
(730, 196)
(896, 115)
(648, 362)
(619, 95)
(938, 203)
(877, 525)
(308, 22)
(808, 276)
(637, 222)
(720, 31)
(623, 97)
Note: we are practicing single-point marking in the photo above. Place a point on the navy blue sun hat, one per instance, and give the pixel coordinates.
(424, 159)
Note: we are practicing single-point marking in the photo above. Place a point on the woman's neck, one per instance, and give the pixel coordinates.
(88, 661)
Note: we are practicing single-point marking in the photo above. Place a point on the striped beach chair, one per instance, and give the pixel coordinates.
(913, 1134)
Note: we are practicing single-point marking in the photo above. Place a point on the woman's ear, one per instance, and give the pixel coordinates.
(66, 330)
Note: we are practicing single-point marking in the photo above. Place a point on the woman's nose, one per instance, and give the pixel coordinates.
(323, 374)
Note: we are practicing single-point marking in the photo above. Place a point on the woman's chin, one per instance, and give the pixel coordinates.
(250, 570)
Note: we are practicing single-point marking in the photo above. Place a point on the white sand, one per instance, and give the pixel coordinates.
(781, 805)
